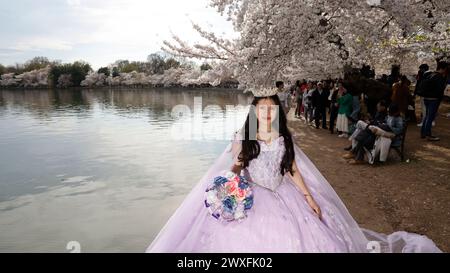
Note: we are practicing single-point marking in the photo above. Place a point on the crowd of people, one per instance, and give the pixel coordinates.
(372, 126)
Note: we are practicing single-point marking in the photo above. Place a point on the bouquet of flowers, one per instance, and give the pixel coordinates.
(229, 197)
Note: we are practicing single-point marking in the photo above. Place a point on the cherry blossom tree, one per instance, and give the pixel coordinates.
(33, 78)
(94, 79)
(8, 79)
(316, 38)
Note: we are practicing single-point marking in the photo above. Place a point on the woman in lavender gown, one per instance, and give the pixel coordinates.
(295, 209)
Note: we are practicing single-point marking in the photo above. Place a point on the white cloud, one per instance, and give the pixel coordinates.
(41, 43)
(73, 2)
(146, 23)
(103, 31)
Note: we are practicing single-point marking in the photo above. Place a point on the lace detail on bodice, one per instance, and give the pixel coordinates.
(265, 169)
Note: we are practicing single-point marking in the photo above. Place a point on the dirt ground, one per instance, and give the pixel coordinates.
(413, 195)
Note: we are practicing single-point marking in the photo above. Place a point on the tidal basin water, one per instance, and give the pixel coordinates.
(104, 169)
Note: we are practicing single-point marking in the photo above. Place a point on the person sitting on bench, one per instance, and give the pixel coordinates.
(376, 140)
(378, 118)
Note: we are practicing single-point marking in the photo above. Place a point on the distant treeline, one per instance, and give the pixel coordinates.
(158, 70)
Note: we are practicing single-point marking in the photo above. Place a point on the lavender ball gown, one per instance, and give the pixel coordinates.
(280, 219)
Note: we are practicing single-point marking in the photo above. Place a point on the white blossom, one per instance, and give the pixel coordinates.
(34, 78)
(94, 79)
(286, 39)
(9, 80)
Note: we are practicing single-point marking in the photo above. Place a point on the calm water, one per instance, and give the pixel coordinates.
(105, 168)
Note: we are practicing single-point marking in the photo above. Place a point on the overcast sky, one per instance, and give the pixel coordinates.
(99, 31)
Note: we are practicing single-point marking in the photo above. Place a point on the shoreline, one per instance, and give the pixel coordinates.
(140, 87)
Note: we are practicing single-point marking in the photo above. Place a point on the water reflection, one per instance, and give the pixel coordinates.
(99, 166)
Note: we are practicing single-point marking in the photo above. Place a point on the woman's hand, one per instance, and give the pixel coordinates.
(314, 206)
(237, 168)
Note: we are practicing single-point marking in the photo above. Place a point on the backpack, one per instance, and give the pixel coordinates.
(366, 138)
(429, 86)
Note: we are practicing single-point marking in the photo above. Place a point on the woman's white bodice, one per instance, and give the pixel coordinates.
(265, 170)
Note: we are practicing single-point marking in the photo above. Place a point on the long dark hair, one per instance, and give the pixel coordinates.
(250, 146)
